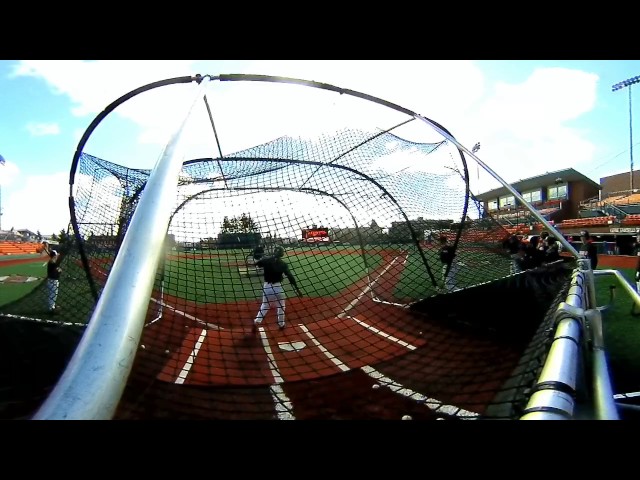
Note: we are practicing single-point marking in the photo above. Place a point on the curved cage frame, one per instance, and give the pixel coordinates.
(95, 378)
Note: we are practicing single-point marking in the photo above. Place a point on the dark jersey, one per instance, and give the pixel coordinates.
(542, 244)
(52, 270)
(552, 254)
(532, 257)
(590, 251)
(275, 269)
(446, 254)
(512, 244)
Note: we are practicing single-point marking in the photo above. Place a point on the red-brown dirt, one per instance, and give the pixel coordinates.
(7, 261)
(314, 368)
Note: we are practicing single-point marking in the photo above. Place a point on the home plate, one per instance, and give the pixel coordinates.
(291, 346)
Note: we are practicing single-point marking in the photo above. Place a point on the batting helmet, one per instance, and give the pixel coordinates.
(278, 252)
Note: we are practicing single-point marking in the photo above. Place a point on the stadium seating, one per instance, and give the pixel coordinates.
(632, 219)
(19, 248)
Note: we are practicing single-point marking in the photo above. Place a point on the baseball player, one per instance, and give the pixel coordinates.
(272, 292)
(258, 252)
(588, 249)
(449, 265)
(53, 280)
(512, 246)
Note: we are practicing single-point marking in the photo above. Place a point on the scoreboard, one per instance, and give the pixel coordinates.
(315, 235)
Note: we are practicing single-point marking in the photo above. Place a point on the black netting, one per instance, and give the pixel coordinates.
(377, 332)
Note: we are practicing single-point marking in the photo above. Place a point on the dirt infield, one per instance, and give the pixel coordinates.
(341, 357)
(617, 261)
(7, 261)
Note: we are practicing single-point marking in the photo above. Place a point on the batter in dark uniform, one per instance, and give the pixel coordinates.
(272, 292)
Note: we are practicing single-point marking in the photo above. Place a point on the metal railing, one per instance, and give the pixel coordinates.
(555, 391)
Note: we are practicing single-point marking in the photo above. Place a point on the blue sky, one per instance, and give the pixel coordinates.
(530, 116)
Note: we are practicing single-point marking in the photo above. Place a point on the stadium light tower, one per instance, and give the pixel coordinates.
(475, 148)
(619, 86)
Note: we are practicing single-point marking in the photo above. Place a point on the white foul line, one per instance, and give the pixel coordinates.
(431, 403)
(212, 326)
(192, 358)
(44, 320)
(273, 366)
(383, 334)
(283, 404)
(327, 353)
(366, 290)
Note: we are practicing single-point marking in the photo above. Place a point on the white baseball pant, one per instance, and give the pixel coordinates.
(272, 295)
(52, 292)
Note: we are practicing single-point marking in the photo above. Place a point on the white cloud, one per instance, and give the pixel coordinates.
(525, 129)
(92, 85)
(40, 204)
(8, 173)
(42, 129)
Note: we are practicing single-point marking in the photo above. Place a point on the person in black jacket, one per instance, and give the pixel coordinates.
(553, 252)
(53, 280)
(588, 249)
(512, 246)
(258, 252)
(449, 265)
(275, 268)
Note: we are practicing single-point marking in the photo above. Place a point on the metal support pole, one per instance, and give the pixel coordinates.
(618, 86)
(630, 140)
(92, 384)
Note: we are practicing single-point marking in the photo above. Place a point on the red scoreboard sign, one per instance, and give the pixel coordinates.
(315, 235)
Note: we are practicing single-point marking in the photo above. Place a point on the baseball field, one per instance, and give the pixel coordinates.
(222, 276)
(197, 358)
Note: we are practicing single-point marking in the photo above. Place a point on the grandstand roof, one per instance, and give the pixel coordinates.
(568, 175)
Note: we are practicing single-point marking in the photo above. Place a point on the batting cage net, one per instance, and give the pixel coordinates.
(382, 323)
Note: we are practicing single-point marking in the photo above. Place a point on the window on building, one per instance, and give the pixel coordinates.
(557, 191)
(492, 205)
(532, 196)
(508, 201)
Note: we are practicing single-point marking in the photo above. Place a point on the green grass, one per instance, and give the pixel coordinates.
(621, 328)
(217, 279)
(75, 300)
(621, 333)
(479, 266)
(213, 280)
(13, 291)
